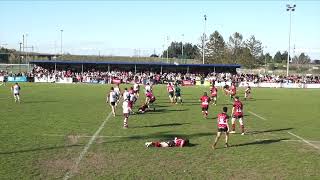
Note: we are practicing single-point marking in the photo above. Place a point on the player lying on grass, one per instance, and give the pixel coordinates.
(223, 127)
(176, 142)
(237, 114)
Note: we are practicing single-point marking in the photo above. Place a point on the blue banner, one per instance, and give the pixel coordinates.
(17, 79)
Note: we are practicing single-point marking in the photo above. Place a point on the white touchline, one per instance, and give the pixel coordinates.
(69, 174)
(304, 140)
(257, 115)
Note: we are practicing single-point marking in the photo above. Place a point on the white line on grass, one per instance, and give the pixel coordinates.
(69, 174)
(257, 115)
(304, 140)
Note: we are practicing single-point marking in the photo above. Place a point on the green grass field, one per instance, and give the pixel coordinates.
(42, 137)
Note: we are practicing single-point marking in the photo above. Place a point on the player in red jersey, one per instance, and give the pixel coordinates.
(237, 113)
(223, 127)
(214, 94)
(205, 104)
(150, 99)
(233, 90)
(170, 90)
(247, 92)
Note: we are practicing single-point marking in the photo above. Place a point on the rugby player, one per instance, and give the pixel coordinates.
(214, 94)
(247, 92)
(15, 89)
(177, 94)
(170, 90)
(112, 98)
(233, 90)
(205, 104)
(223, 127)
(237, 114)
(126, 112)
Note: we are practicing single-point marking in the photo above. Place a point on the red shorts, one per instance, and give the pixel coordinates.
(237, 115)
(205, 108)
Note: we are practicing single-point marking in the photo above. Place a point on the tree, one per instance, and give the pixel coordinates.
(277, 57)
(235, 44)
(245, 58)
(302, 59)
(268, 58)
(215, 48)
(255, 48)
(175, 51)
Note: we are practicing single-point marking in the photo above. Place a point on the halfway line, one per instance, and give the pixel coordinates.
(304, 140)
(69, 174)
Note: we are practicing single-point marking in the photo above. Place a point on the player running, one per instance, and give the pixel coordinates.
(126, 112)
(177, 94)
(136, 89)
(15, 89)
(233, 90)
(214, 94)
(247, 92)
(118, 93)
(205, 104)
(112, 98)
(148, 88)
(237, 113)
(150, 99)
(170, 90)
(223, 127)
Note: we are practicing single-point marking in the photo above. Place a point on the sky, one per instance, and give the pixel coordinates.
(133, 28)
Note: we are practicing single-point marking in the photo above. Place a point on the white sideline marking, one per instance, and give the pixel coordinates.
(61, 135)
(304, 140)
(69, 174)
(257, 115)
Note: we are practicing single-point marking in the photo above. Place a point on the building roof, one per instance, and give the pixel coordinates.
(136, 63)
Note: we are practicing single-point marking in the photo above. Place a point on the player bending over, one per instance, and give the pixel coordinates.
(247, 92)
(237, 114)
(15, 89)
(223, 127)
(214, 94)
(205, 104)
(112, 98)
(150, 99)
(177, 94)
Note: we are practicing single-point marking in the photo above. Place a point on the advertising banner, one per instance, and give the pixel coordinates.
(17, 79)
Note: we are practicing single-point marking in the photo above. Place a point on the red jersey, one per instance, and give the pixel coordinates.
(151, 96)
(223, 120)
(205, 101)
(179, 142)
(238, 108)
(233, 89)
(213, 91)
(170, 88)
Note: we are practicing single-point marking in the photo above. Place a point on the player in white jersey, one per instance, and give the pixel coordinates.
(112, 98)
(148, 88)
(118, 93)
(125, 94)
(126, 112)
(16, 92)
(136, 89)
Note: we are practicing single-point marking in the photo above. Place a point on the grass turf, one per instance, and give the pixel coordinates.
(42, 137)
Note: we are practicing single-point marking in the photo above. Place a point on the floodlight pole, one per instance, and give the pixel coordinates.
(290, 9)
(182, 46)
(204, 37)
(61, 42)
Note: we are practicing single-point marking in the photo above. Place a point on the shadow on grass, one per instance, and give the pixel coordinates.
(162, 125)
(39, 149)
(267, 141)
(269, 130)
(157, 111)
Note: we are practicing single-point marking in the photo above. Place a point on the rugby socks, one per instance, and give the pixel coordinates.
(233, 127)
(242, 128)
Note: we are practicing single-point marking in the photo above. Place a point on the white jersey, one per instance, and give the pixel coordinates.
(125, 107)
(117, 91)
(112, 96)
(148, 88)
(126, 94)
(16, 89)
(136, 87)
